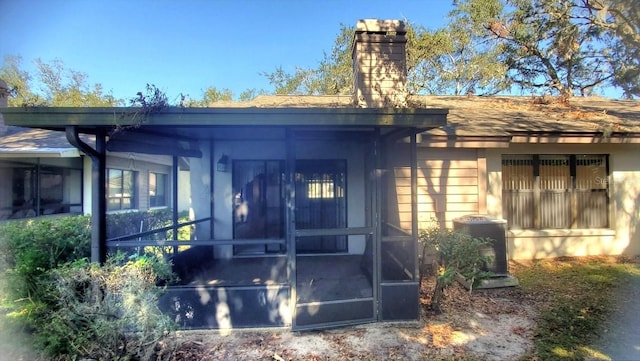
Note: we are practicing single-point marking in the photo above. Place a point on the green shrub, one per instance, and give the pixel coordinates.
(131, 223)
(72, 308)
(457, 254)
(127, 223)
(104, 312)
(28, 250)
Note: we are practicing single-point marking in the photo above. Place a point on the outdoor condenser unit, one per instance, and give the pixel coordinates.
(483, 226)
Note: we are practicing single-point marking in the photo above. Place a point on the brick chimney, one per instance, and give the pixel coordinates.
(380, 63)
(4, 100)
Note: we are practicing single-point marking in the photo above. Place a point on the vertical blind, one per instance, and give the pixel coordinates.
(555, 191)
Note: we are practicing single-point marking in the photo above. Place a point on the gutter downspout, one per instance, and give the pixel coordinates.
(98, 190)
(4, 101)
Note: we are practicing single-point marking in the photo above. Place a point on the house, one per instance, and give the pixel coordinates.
(305, 210)
(43, 174)
(566, 177)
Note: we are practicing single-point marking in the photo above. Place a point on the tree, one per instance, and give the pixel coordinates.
(210, 96)
(452, 60)
(214, 95)
(58, 86)
(18, 82)
(250, 94)
(620, 22)
(332, 76)
(564, 47)
(445, 61)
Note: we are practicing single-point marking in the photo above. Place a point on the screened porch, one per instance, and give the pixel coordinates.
(273, 217)
(243, 258)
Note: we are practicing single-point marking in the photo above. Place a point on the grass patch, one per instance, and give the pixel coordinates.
(574, 296)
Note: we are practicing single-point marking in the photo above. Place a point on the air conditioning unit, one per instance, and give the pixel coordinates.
(483, 226)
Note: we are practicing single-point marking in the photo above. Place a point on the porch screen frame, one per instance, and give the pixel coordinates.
(399, 298)
(337, 312)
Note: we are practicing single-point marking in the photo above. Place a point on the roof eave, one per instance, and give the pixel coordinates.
(576, 137)
(39, 153)
(88, 118)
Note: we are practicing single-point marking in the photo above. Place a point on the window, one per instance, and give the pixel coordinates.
(157, 189)
(555, 191)
(35, 187)
(121, 189)
(258, 203)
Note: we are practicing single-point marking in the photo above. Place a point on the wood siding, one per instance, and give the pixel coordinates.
(448, 183)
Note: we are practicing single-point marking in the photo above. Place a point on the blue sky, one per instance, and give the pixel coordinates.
(186, 46)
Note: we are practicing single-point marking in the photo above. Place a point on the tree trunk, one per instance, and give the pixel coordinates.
(438, 293)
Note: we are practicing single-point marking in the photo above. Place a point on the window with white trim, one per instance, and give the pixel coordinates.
(121, 192)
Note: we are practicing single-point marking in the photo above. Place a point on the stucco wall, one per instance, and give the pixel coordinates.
(626, 197)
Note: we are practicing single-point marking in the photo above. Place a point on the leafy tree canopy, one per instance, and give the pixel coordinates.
(445, 61)
(332, 76)
(565, 47)
(560, 47)
(57, 86)
(619, 20)
(452, 60)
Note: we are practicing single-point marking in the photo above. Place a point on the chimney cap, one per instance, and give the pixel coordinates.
(380, 26)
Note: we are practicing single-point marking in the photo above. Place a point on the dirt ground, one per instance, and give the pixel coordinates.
(494, 324)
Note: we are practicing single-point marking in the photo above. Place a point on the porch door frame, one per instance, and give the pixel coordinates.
(398, 299)
(370, 232)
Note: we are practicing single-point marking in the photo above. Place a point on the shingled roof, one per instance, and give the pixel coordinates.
(469, 116)
(494, 115)
(35, 142)
(489, 116)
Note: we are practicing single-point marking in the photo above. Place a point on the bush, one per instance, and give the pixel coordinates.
(458, 254)
(127, 223)
(73, 308)
(132, 223)
(28, 250)
(104, 312)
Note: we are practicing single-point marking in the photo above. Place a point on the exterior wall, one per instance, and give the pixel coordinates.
(184, 190)
(87, 200)
(623, 237)
(223, 189)
(6, 185)
(200, 188)
(184, 194)
(40, 193)
(449, 181)
(626, 197)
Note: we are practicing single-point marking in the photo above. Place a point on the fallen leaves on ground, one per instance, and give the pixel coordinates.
(469, 327)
